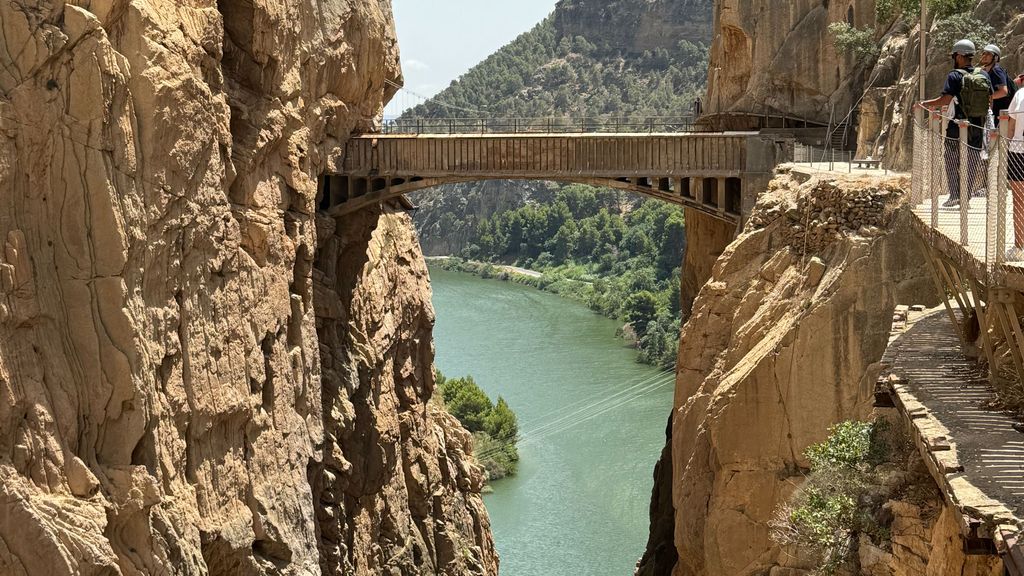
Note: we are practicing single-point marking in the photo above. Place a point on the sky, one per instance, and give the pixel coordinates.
(441, 39)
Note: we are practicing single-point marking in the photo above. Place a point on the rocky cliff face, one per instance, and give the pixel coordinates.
(162, 403)
(774, 58)
(629, 27)
(396, 491)
(778, 347)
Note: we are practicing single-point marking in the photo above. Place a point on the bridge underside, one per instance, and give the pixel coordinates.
(719, 197)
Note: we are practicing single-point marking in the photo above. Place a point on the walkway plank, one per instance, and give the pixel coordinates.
(929, 368)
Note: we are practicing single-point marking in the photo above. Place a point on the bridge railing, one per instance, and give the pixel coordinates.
(807, 154)
(961, 192)
(542, 125)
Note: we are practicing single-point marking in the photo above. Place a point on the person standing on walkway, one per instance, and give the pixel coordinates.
(1015, 174)
(970, 90)
(1001, 94)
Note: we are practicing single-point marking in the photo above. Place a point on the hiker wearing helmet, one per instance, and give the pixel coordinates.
(1001, 95)
(970, 91)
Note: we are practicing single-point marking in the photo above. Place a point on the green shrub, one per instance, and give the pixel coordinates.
(960, 26)
(501, 423)
(833, 506)
(846, 447)
(499, 458)
(467, 402)
(495, 427)
(850, 40)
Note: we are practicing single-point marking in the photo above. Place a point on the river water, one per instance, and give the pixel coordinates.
(578, 505)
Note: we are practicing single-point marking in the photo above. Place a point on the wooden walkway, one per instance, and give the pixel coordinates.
(949, 224)
(977, 255)
(973, 451)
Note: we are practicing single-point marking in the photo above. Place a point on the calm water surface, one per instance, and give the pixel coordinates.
(578, 505)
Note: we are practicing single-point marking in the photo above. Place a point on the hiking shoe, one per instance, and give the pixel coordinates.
(979, 193)
(1014, 254)
(951, 203)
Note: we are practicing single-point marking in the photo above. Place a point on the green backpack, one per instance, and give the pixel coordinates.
(975, 91)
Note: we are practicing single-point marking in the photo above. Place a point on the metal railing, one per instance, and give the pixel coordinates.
(546, 125)
(767, 118)
(960, 189)
(807, 154)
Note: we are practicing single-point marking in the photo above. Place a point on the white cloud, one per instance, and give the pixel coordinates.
(413, 64)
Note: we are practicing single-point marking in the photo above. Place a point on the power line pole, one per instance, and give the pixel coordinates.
(922, 73)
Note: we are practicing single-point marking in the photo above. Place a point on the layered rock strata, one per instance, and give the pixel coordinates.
(160, 384)
(779, 346)
(772, 58)
(396, 492)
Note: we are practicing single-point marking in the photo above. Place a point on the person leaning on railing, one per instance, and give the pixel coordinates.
(1015, 170)
(970, 89)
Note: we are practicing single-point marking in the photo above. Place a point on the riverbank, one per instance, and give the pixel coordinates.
(473, 265)
(555, 281)
(650, 318)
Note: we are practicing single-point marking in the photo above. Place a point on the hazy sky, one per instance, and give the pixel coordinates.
(441, 39)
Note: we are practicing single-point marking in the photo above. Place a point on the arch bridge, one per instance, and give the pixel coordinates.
(720, 174)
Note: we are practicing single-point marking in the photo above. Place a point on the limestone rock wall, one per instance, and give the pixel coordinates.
(160, 383)
(772, 57)
(926, 540)
(777, 348)
(706, 239)
(396, 491)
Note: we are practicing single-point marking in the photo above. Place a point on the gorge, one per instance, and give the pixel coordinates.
(201, 372)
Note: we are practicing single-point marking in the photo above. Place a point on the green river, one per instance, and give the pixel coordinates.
(578, 505)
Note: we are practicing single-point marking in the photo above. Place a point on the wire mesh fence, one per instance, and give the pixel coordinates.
(962, 190)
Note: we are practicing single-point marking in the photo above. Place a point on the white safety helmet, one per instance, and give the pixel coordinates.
(994, 50)
(964, 47)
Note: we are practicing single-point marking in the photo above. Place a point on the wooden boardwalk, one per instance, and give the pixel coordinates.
(973, 451)
(950, 224)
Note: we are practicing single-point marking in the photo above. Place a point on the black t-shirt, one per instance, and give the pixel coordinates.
(955, 83)
(999, 79)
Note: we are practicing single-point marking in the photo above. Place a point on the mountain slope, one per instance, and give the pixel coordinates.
(571, 64)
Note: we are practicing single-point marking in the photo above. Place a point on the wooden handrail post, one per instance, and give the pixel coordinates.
(1002, 153)
(935, 136)
(963, 188)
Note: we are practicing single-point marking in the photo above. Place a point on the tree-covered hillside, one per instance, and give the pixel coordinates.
(542, 73)
(567, 66)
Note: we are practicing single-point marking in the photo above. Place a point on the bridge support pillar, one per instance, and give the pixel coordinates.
(688, 187)
(721, 195)
(706, 238)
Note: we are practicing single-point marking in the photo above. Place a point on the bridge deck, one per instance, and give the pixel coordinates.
(945, 395)
(948, 238)
(536, 155)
